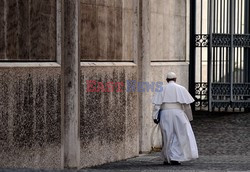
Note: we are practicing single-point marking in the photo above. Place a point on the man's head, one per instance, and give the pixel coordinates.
(171, 76)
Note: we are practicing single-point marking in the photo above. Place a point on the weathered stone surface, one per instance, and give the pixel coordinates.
(160, 70)
(88, 23)
(70, 70)
(163, 39)
(105, 35)
(157, 40)
(144, 75)
(30, 127)
(2, 30)
(168, 30)
(12, 29)
(109, 120)
(43, 30)
(28, 30)
(30, 120)
(175, 38)
(23, 17)
(129, 4)
(129, 35)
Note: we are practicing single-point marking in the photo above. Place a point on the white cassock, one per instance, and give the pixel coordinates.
(179, 142)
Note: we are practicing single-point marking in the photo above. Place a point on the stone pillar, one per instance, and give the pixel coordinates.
(71, 85)
(144, 70)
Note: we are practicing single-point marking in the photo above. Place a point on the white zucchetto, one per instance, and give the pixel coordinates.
(171, 75)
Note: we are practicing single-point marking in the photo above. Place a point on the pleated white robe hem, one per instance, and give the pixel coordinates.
(179, 140)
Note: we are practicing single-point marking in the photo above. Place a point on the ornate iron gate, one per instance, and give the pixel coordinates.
(220, 54)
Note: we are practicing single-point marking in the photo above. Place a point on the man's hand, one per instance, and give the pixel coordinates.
(156, 121)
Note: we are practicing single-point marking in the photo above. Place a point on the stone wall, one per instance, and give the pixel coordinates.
(30, 117)
(108, 30)
(28, 30)
(168, 30)
(168, 38)
(113, 125)
(109, 120)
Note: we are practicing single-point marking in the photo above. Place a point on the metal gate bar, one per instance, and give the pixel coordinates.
(219, 54)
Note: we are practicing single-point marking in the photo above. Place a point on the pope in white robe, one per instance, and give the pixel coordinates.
(179, 142)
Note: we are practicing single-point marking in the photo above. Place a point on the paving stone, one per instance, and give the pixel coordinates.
(223, 141)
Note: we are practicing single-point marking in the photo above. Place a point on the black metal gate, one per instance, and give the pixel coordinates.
(220, 54)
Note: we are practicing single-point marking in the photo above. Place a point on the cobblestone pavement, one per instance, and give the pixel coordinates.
(223, 141)
(152, 162)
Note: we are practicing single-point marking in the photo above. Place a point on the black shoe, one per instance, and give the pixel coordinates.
(166, 163)
(175, 163)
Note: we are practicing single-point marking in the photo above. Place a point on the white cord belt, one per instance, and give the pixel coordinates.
(166, 106)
